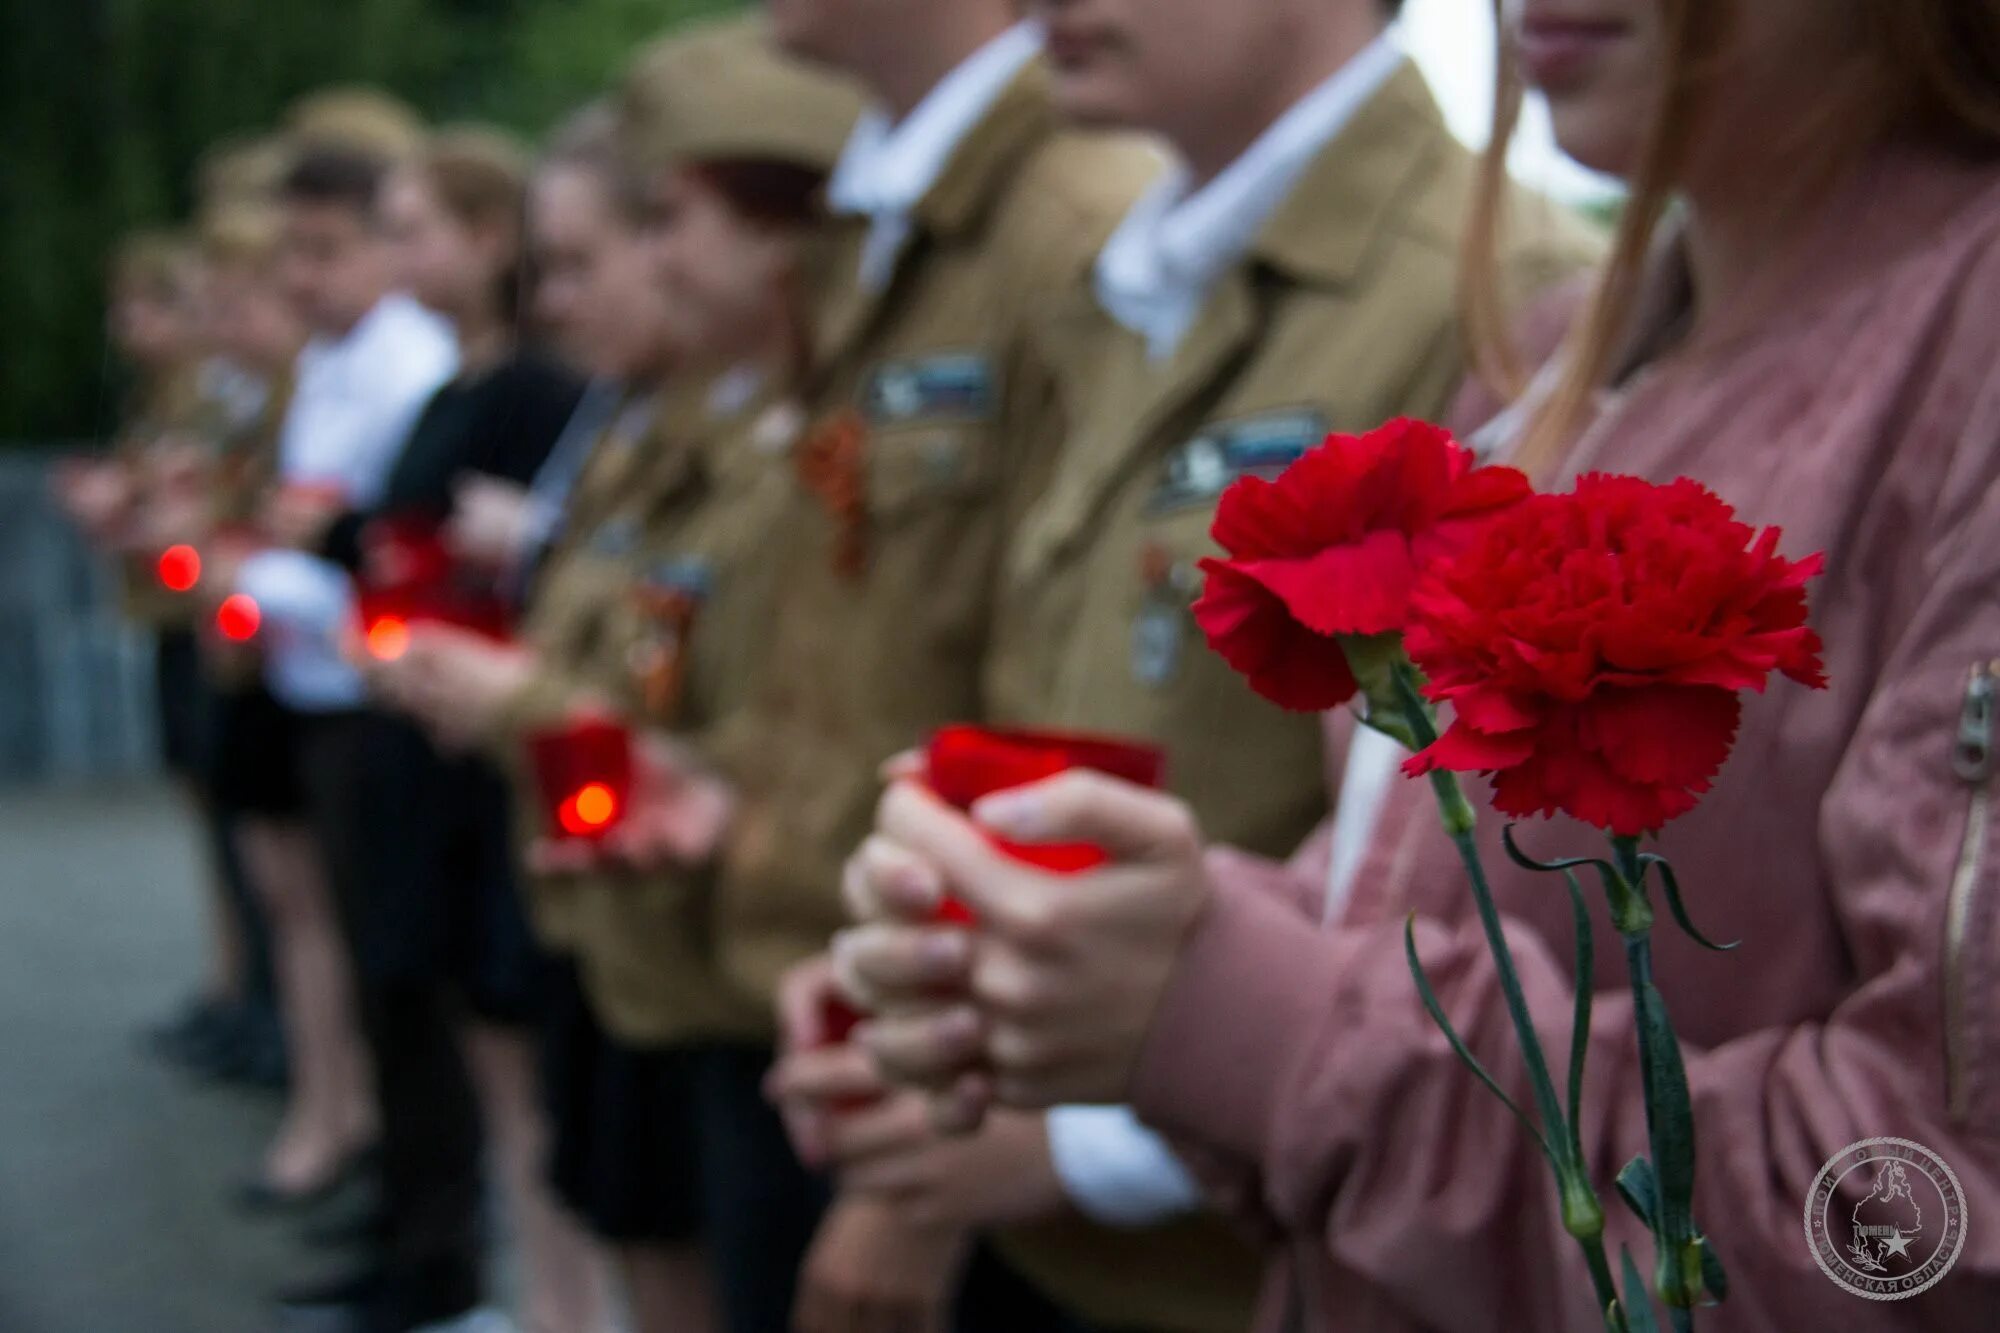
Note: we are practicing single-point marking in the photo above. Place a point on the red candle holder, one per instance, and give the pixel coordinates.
(238, 618)
(178, 568)
(409, 577)
(964, 763)
(584, 773)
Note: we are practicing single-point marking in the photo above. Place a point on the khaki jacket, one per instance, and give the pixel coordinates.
(171, 410)
(917, 459)
(655, 603)
(1342, 316)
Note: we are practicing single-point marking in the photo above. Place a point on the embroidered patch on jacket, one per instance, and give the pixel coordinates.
(951, 386)
(615, 537)
(692, 576)
(1220, 452)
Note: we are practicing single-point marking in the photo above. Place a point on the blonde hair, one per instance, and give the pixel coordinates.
(240, 172)
(1926, 68)
(480, 175)
(239, 236)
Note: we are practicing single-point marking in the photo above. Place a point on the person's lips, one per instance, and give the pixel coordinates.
(1070, 44)
(1557, 52)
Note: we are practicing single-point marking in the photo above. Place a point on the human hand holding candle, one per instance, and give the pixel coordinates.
(490, 523)
(453, 681)
(820, 1075)
(1067, 969)
(681, 809)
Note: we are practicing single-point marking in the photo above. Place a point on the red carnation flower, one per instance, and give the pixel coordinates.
(1334, 547)
(1592, 646)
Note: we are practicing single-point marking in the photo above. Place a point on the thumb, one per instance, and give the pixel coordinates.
(1131, 823)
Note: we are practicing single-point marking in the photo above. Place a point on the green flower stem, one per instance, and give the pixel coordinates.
(1669, 1111)
(1583, 1214)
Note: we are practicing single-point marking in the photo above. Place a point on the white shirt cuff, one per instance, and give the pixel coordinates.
(1115, 1170)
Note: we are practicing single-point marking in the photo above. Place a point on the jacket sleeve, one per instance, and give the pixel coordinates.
(1304, 1055)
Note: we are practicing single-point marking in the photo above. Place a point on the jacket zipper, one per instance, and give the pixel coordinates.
(1973, 759)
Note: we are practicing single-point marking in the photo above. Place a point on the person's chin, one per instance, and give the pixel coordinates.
(1587, 136)
(1087, 99)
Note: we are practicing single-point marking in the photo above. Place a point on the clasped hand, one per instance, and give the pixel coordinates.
(1049, 998)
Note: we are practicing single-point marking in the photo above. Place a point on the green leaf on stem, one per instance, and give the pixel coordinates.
(1641, 1192)
(1605, 870)
(1712, 1275)
(1679, 909)
(1579, 1028)
(1673, 1136)
(1638, 1305)
(1459, 1047)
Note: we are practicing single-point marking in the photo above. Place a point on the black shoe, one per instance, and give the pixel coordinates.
(193, 1032)
(355, 1303)
(367, 1230)
(261, 1196)
(258, 1060)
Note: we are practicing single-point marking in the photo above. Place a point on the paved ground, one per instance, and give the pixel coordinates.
(113, 1170)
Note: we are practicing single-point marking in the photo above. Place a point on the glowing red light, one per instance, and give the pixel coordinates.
(238, 618)
(388, 638)
(179, 568)
(590, 810)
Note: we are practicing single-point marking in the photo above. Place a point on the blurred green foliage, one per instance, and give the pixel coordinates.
(107, 104)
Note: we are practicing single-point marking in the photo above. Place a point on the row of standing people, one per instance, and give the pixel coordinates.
(951, 454)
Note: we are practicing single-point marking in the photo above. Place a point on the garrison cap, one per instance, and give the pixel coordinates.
(723, 90)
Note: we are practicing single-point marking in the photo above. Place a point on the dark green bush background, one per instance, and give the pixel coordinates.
(105, 105)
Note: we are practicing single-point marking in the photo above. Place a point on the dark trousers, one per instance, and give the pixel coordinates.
(760, 1205)
(364, 813)
(190, 714)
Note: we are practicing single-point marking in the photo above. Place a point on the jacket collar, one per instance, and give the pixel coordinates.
(1324, 229)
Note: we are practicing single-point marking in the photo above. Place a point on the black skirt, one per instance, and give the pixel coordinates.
(624, 1153)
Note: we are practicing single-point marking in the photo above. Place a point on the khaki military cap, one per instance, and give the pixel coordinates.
(356, 119)
(723, 90)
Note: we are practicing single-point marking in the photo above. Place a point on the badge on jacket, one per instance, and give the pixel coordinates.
(669, 596)
(1163, 625)
(1262, 446)
(832, 463)
(615, 538)
(950, 386)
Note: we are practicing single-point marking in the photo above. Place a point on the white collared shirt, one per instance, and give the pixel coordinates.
(356, 399)
(1156, 271)
(887, 168)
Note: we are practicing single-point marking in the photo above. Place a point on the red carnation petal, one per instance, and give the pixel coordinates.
(1580, 785)
(1493, 710)
(1663, 735)
(1283, 661)
(1359, 588)
(1486, 489)
(1464, 750)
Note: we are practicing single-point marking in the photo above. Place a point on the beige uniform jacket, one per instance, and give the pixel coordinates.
(1341, 317)
(655, 603)
(914, 465)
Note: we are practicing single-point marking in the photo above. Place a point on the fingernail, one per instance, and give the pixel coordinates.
(944, 951)
(959, 1029)
(918, 885)
(1011, 814)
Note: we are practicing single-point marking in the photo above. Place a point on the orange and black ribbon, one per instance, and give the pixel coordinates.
(833, 465)
(661, 664)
